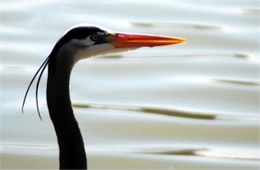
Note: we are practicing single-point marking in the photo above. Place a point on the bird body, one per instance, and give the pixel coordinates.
(78, 43)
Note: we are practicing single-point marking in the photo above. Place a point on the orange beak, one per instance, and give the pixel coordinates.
(123, 40)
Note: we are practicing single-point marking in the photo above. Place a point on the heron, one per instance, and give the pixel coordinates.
(81, 42)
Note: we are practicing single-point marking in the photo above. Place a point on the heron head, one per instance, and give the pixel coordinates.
(86, 41)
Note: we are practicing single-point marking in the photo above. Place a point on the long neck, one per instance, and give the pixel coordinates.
(71, 145)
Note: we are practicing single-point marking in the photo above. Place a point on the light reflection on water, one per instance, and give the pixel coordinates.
(181, 107)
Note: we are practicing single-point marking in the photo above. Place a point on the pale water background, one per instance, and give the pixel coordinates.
(193, 106)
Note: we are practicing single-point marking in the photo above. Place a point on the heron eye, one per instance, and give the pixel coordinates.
(94, 37)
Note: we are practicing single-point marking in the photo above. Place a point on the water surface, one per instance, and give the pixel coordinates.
(193, 106)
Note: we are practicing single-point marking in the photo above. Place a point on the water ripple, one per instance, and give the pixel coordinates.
(213, 153)
(238, 82)
(178, 25)
(151, 110)
(169, 150)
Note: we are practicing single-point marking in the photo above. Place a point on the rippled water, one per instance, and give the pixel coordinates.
(193, 106)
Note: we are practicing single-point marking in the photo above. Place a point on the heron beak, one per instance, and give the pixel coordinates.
(124, 40)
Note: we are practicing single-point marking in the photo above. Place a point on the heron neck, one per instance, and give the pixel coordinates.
(71, 145)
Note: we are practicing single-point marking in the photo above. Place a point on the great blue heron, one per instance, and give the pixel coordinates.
(78, 43)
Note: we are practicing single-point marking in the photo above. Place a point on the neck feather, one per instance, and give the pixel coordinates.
(71, 145)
